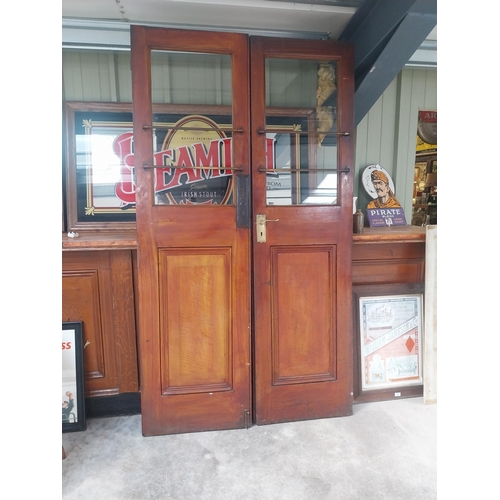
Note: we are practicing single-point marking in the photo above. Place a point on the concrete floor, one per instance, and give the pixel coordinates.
(386, 450)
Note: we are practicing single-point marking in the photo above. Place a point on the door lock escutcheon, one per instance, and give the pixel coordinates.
(261, 227)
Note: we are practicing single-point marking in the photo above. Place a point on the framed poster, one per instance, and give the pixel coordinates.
(192, 159)
(72, 388)
(100, 169)
(389, 320)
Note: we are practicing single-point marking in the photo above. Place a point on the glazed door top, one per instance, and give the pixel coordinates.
(302, 92)
(192, 111)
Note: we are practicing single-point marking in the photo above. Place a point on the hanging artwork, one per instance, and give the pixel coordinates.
(384, 209)
(427, 131)
(72, 388)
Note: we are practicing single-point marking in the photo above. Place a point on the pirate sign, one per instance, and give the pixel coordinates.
(384, 209)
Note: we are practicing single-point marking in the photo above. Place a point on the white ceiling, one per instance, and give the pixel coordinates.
(320, 17)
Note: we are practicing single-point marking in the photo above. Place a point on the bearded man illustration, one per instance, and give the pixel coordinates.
(385, 196)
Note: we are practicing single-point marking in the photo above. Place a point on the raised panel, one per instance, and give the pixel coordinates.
(124, 321)
(303, 322)
(388, 263)
(381, 271)
(195, 325)
(97, 288)
(81, 303)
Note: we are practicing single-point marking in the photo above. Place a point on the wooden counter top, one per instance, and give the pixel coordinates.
(100, 241)
(128, 240)
(395, 234)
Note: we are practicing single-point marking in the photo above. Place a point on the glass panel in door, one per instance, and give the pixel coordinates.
(192, 128)
(301, 126)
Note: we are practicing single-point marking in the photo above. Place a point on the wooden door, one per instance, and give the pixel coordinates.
(192, 150)
(302, 254)
(193, 247)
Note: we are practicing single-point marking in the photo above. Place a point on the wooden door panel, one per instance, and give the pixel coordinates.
(98, 290)
(195, 318)
(380, 271)
(193, 259)
(400, 262)
(303, 346)
(82, 303)
(171, 232)
(302, 270)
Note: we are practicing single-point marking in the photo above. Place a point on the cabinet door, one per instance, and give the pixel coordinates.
(97, 288)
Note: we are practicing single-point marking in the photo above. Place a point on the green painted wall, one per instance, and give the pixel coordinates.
(386, 135)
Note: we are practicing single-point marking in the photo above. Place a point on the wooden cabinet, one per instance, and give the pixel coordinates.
(388, 262)
(384, 257)
(98, 289)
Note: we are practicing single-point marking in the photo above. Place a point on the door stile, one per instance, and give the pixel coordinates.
(148, 324)
(346, 188)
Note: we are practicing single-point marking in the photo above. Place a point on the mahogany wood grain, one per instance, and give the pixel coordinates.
(302, 273)
(388, 262)
(196, 318)
(303, 343)
(97, 288)
(401, 234)
(93, 240)
(193, 269)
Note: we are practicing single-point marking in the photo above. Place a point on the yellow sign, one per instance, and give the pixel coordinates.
(424, 146)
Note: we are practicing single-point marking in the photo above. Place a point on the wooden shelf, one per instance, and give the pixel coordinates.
(100, 241)
(395, 234)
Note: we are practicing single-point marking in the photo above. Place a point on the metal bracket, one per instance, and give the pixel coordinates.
(246, 419)
(242, 201)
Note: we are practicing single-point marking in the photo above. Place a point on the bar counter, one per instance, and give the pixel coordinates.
(127, 240)
(88, 241)
(100, 288)
(395, 234)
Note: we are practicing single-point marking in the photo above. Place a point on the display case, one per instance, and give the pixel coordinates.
(424, 209)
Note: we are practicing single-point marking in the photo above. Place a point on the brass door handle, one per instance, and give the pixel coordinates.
(260, 222)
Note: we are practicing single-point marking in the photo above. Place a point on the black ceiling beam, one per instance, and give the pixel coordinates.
(385, 34)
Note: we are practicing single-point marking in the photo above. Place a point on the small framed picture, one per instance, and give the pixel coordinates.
(389, 321)
(72, 389)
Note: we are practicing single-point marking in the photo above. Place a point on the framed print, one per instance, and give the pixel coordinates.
(72, 388)
(389, 321)
(100, 169)
(192, 160)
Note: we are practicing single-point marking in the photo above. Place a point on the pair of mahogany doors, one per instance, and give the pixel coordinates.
(243, 148)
